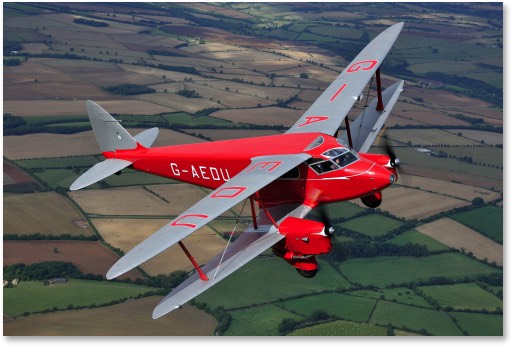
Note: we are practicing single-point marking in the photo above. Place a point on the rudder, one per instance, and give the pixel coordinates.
(110, 135)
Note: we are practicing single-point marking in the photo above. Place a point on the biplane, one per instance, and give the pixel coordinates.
(284, 177)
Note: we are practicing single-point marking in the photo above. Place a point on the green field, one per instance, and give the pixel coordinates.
(487, 220)
(463, 296)
(131, 177)
(341, 328)
(487, 155)
(340, 305)
(33, 296)
(400, 316)
(345, 210)
(187, 119)
(59, 162)
(415, 237)
(382, 271)
(372, 225)
(55, 178)
(261, 320)
(479, 324)
(400, 295)
(251, 285)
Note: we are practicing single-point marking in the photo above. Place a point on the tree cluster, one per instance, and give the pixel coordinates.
(90, 22)
(41, 271)
(129, 89)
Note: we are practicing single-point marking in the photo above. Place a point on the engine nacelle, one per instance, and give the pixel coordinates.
(305, 237)
(373, 200)
(303, 240)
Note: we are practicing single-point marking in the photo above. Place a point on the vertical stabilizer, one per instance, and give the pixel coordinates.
(111, 136)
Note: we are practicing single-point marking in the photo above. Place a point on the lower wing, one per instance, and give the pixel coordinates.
(249, 245)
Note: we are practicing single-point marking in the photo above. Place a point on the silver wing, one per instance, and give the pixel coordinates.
(329, 110)
(365, 128)
(261, 171)
(249, 245)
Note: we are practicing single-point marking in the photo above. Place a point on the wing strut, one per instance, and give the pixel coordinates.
(253, 212)
(257, 197)
(202, 275)
(349, 136)
(380, 104)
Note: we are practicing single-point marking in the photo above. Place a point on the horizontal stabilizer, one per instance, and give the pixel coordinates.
(147, 137)
(367, 125)
(99, 171)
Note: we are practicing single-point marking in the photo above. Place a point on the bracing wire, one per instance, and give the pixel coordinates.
(229, 240)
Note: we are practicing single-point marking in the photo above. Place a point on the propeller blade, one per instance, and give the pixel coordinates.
(326, 220)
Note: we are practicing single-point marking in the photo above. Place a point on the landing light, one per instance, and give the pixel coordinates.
(391, 178)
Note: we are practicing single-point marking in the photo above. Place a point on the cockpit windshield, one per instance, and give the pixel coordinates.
(337, 159)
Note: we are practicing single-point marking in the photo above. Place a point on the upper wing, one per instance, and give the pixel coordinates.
(367, 125)
(249, 245)
(329, 110)
(261, 171)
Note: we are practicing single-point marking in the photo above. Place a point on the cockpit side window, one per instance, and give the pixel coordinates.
(345, 159)
(323, 166)
(338, 158)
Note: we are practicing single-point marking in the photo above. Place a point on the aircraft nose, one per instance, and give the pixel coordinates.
(380, 177)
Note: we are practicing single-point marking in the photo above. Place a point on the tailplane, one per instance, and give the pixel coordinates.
(111, 136)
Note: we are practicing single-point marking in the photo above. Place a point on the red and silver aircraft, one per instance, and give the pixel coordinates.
(286, 175)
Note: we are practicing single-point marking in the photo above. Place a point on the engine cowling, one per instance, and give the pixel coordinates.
(304, 239)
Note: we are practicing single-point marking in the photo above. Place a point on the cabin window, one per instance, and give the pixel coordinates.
(338, 158)
(317, 142)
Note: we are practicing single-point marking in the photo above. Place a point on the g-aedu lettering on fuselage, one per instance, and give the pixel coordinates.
(201, 172)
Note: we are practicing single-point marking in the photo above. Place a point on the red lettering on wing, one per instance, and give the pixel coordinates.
(313, 119)
(364, 65)
(264, 164)
(178, 222)
(225, 192)
(338, 92)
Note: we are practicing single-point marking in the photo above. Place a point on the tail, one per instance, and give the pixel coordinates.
(111, 136)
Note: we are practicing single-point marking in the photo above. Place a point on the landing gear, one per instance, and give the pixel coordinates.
(307, 273)
(372, 201)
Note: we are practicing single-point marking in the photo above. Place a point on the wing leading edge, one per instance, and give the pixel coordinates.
(260, 172)
(328, 111)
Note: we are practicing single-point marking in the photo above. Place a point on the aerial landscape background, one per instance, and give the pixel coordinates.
(428, 261)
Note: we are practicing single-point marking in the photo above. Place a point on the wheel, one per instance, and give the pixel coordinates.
(307, 273)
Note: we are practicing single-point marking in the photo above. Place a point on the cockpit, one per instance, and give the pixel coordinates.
(336, 158)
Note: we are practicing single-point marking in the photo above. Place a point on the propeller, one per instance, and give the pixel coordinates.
(326, 220)
(393, 160)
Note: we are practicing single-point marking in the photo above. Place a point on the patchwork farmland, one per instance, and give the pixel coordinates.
(428, 261)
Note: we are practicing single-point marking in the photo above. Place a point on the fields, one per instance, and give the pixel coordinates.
(341, 328)
(382, 271)
(88, 256)
(32, 296)
(456, 235)
(415, 204)
(126, 233)
(119, 319)
(59, 215)
(254, 69)
(492, 226)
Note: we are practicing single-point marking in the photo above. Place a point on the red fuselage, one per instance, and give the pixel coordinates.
(211, 164)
